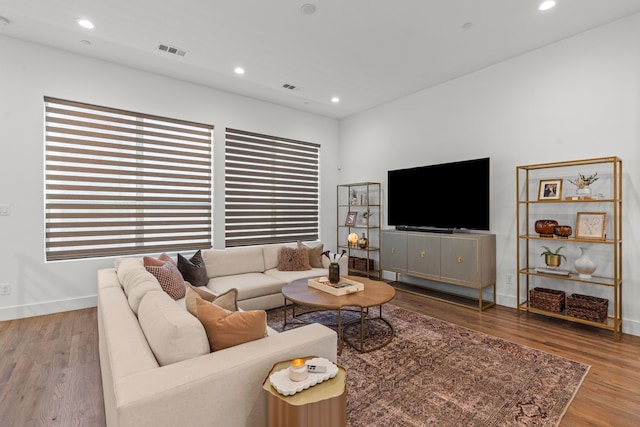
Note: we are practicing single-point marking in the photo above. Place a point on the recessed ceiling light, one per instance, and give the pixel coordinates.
(467, 25)
(85, 23)
(308, 9)
(546, 4)
(335, 99)
(239, 70)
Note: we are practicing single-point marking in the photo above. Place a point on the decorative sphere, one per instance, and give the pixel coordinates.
(352, 238)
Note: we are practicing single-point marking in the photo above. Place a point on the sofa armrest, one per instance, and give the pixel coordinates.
(222, 385)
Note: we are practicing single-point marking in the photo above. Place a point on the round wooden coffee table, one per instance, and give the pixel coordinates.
(375, 294)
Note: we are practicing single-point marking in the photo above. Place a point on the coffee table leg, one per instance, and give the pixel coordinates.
(361, 329)
(284, 325)
(339, 332)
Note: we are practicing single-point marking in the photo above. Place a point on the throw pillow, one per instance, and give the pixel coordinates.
(193, 270)
(148, 260)
(169, 278)
(225, 328)
(227, 300)
(315, 254)
(293, 259)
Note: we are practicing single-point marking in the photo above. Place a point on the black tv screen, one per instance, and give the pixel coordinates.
(444, 196)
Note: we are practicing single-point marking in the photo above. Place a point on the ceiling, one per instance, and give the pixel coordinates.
(366, 52)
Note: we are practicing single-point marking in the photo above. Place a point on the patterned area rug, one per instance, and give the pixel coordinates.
(434, 373)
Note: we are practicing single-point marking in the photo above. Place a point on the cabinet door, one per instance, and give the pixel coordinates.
(460, 260)
(423, 256)
(394, 251)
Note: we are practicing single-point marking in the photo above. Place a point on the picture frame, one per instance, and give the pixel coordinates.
(591, 225)
(350, 221)
(550, 189)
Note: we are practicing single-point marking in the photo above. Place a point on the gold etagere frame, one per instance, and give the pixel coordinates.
(528, 200)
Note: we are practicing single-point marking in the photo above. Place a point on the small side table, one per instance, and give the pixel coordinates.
(321, 405)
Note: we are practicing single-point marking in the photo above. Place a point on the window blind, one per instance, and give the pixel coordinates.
(121, 183)
(272, 188)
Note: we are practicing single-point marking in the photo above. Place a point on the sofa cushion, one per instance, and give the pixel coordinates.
(293, 259)
(290, 276)
(315, 254)
(193, 269)
(169, 278)
(230, 261)
(172, 333)
(136, 280)
(226, 329)
(228, 300)
(249, 285)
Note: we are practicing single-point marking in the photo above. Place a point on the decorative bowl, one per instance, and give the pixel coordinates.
(546, 227)
(562, 231)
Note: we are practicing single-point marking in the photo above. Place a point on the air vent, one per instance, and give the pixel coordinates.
(289, 86)
(172, 50)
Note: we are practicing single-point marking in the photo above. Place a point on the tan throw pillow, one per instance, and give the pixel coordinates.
(169, 278)
(193, 269)
(315, 254)
(148, 260)
(226, 329)
(227, 300)
(293, 259)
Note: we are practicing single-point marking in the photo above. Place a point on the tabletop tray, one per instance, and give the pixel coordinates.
(281, 382)
(343, 287)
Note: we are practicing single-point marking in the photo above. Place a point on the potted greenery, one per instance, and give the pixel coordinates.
(583, 183)
(552, 258)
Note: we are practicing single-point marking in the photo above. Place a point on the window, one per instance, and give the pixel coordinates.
(271, 189)
(122, 183)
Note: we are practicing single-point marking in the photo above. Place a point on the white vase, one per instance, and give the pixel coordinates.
(584, 265)
(584, 191)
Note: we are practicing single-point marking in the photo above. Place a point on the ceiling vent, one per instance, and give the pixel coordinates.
(290, 86)
(172, 49)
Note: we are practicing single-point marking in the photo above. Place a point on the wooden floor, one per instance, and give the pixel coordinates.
(50, 373)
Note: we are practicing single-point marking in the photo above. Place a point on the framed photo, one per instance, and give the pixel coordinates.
(550, 189)
(351, 219)
(591, 225)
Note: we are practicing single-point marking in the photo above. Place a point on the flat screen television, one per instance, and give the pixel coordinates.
(441, 197)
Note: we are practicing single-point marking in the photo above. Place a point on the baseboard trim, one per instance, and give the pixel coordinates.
(48, 307)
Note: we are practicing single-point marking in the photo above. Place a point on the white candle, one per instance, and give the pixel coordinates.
(298, 370)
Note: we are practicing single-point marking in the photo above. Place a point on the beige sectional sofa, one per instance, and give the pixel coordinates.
(157, 368)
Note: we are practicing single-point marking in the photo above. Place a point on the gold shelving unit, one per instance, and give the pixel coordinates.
(606, 197)
(364, 200)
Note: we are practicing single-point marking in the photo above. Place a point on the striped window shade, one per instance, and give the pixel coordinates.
(272, 188)
(122, 183)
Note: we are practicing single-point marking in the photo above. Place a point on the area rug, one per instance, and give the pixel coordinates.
(435, 373)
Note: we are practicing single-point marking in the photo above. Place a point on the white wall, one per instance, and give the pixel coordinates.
(576, 99)
(28, 72)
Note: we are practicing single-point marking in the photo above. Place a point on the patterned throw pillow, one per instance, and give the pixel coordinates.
(315, 254)
(193, 270)
(148, 260)
(225, 328)
(293, 259)
(169, 278)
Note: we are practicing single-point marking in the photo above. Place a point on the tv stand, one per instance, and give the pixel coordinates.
(425, 229)
(465, 260)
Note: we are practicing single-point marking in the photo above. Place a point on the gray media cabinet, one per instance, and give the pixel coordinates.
(462, 259)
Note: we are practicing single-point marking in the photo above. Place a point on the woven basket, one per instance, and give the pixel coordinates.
(587, 307)
(547, 299)
(361, 264)
(351, 262)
